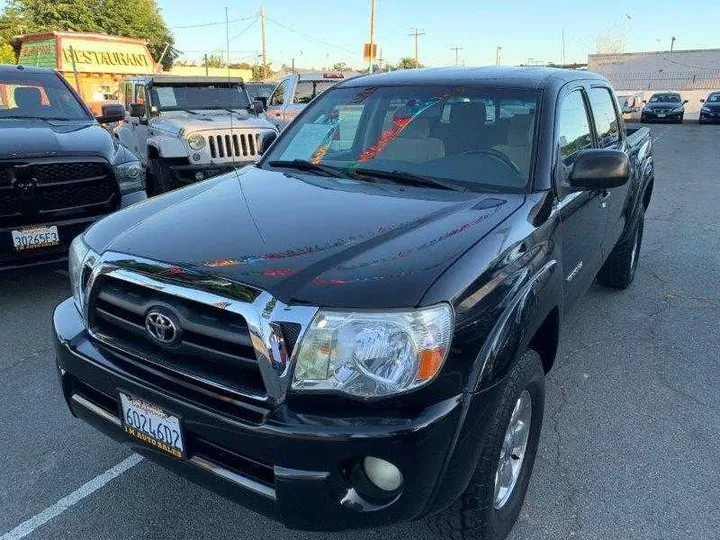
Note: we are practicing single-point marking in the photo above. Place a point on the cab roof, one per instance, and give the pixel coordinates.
(11, 68)
(515, 77)
(184, 79)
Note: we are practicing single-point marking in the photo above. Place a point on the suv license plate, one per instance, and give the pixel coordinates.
(152, 425)
(35, 238)
(661, 115)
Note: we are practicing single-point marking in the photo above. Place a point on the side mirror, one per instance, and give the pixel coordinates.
(685, 101)
(599, 169)
(702, 101)
(257, 107)
(644, 100)
(111, 112)
(137, 110)
(266, 140)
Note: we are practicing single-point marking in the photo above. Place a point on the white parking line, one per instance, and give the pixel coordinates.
(656, 139)
(38, 520)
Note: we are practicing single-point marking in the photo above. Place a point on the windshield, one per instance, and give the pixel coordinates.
(665, 98)
(38, 95)
(260, 90)
(472, 137)
(713, 98)
(199, 97)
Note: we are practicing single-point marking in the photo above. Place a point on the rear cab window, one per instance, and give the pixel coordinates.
(607, 122)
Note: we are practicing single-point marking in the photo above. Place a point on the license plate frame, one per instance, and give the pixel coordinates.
(35, 237)
(661, 115)
(167, 425)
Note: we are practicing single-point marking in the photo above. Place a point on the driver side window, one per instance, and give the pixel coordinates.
(573, 128)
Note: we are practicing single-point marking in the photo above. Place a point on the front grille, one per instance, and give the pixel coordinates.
(42, 190)
(237, 145)
(215, 352)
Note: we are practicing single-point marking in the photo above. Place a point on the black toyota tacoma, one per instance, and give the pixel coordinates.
(355, 331)
(60, 170)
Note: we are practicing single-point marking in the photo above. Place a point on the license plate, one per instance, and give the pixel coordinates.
(661, 115)
(35, 238)
(152, 425)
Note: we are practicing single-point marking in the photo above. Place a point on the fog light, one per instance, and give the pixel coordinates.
(199, 176)
(383, 474)
(197, 157)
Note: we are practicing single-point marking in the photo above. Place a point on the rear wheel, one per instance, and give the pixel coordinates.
(618, 272)
(161, 179)
(490, 505)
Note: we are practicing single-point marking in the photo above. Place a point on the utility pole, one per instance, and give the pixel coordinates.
(497, 55)
(456, 49)
(417, 33)
(563, 47)
(264, 49)
(672, 43)
(372, 35)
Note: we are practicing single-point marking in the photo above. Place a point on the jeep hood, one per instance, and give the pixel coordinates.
(308, 239)
(202, 120)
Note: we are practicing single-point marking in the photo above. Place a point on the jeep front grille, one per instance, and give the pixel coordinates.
(237, 145)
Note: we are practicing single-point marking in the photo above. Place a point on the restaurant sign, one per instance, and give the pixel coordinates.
(96, 56)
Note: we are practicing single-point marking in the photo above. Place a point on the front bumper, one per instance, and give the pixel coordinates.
(67, 230)
(709, 117)
(189, 174)
(649, 115)
(295, 468)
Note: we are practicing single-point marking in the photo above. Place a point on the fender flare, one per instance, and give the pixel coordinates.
(512, 333)
(168, 147)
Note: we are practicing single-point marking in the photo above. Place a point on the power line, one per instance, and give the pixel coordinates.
(241, 32)
(204, 25)
(312, 38)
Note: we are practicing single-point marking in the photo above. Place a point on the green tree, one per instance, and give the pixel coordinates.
(341, 66)
(214, 61)
(7, 54)
(408, 63)
(139, 19)
(240, 65)
(257, 72)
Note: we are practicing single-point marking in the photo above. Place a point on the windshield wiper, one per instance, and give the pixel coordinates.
(409, 178)
(308, 166)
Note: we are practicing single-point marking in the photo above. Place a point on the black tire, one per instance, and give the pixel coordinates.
(160, 179)
(474, 516)
(680, 120)
(619, 269)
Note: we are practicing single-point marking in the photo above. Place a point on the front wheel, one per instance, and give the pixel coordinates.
(490, 505)
(160, 179)
(618, 272)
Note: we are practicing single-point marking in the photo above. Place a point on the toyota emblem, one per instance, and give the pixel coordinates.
(162, 327)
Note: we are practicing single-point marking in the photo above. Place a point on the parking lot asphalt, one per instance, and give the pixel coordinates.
(629, 447)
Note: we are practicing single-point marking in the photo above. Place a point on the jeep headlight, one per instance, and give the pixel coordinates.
(81, 260)
(130, 176)
(373, 354)
(196, 141)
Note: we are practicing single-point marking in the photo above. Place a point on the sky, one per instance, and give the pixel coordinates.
(319, 33)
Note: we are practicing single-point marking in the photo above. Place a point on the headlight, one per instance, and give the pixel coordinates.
(373, 354)
(196, 141)
(81, 259)
(677, 109)
(130, 176)
(705, 109)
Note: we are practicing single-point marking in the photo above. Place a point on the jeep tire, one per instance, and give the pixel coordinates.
(160, 179)
(618, 272)
(483, 512)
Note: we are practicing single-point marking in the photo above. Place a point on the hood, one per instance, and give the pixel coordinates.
(715, 105)
(664, 105)
(193, 121)
(306, 239)
(23, 138)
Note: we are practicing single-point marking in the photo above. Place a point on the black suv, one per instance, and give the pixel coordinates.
(60, 170)
(356, 330)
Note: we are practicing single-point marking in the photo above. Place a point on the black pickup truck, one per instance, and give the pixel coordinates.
(60, 170)
(355, 331)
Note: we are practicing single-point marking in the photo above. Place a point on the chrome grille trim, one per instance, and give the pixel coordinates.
(263, 313)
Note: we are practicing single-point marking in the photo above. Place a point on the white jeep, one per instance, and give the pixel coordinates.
(188, 129)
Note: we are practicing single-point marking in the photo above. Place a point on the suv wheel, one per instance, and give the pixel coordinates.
(490, 505)
(161, 177)
(618, 272)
